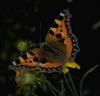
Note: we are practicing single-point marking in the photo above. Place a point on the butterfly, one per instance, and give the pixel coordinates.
(60, 46)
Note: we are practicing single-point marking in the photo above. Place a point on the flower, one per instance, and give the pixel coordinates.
(67, 65)
(22, 45)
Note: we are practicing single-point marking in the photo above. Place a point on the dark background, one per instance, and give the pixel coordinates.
(21, 19)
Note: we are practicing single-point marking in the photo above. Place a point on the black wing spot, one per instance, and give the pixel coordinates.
(17, 61)
(61, 30)
(60, 17)
(55, 25)
(58, 36)
(60, 26)
(31, 53)
(25, 61)
(24, 56)
(35, 59)
(30, 61)
(51, 32)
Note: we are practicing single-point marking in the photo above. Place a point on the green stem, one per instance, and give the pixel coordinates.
(52, 88)
(68, 85)
(62, 88)
(73, 85)
(84, 77)
(52, 91)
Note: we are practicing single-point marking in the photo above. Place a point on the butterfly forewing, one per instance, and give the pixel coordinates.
(60, 31)
(29, 60)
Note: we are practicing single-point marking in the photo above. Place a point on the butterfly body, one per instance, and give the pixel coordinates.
(59, 47)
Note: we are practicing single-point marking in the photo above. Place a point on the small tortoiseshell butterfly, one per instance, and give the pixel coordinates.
(59, 47)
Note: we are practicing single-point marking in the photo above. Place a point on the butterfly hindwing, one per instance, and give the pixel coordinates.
(27, 61)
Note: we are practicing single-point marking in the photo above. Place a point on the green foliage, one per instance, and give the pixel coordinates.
(31, 81)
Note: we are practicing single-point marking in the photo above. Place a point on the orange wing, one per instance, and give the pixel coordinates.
(27, 61)
(61, 31)
(60, 41)
(60, 28)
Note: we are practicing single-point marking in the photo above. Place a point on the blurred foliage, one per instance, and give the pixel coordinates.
(32, 83)
(17, 28)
